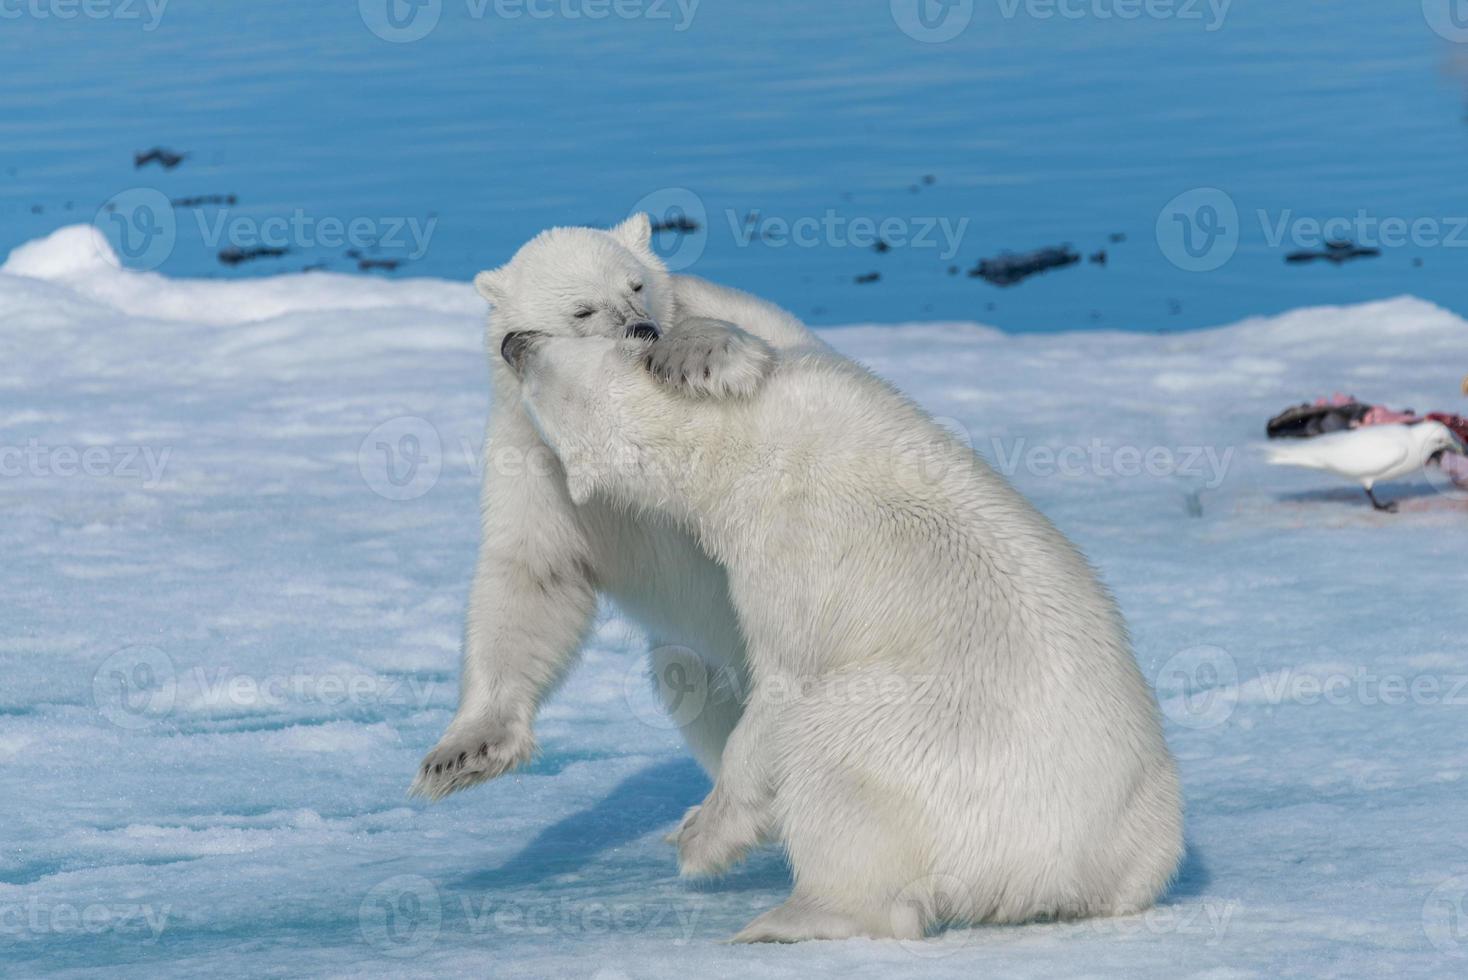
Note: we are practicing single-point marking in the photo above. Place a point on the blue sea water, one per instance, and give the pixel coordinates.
(1213, 136)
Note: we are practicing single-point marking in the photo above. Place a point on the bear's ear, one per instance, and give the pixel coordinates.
(491, 284)
(635, 232)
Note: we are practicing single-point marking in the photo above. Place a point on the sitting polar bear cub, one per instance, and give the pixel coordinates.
(945, 722)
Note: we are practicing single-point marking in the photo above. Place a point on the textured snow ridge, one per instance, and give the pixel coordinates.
(240, 519)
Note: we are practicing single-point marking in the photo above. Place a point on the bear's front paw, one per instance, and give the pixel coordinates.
(710, 357)
(710, 839)
(466, 758)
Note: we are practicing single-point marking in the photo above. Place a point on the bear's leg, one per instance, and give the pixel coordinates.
(859, 848)
(531, 604)
(736, 814)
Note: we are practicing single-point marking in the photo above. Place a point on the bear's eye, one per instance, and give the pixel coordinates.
(637, 287)
(582, 313)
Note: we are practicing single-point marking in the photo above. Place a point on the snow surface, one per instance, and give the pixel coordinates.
(225, 651)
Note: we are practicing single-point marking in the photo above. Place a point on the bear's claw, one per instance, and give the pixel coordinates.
(465, 759)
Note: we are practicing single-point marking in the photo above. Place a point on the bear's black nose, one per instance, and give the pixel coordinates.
(644, 330)
(515, 346)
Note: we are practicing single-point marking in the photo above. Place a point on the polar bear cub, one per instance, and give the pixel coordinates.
(945, 722)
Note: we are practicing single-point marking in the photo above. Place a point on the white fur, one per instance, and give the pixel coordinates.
(542, 559)
(945, 722)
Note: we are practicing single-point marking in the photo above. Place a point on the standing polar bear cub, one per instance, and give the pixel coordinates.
(944, 721)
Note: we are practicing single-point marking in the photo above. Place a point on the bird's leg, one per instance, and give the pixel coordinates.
(1390, 508)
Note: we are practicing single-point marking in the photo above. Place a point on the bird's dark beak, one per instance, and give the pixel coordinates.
(517, 346)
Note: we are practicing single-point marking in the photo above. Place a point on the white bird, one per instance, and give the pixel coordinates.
(1371, 454)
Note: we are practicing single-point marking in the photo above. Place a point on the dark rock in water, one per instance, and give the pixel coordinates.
(953, 270)
(1098, 258)
(38, 209)
(1306, 420)
(315, 267)
(1116, 237)
(881, 247)
(1009, 268)
(167, 159)
(862, 280)
(387, 265)
(929, 180)
(1334, 252)
(234, 255)
(199, 201)
(682, 224)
